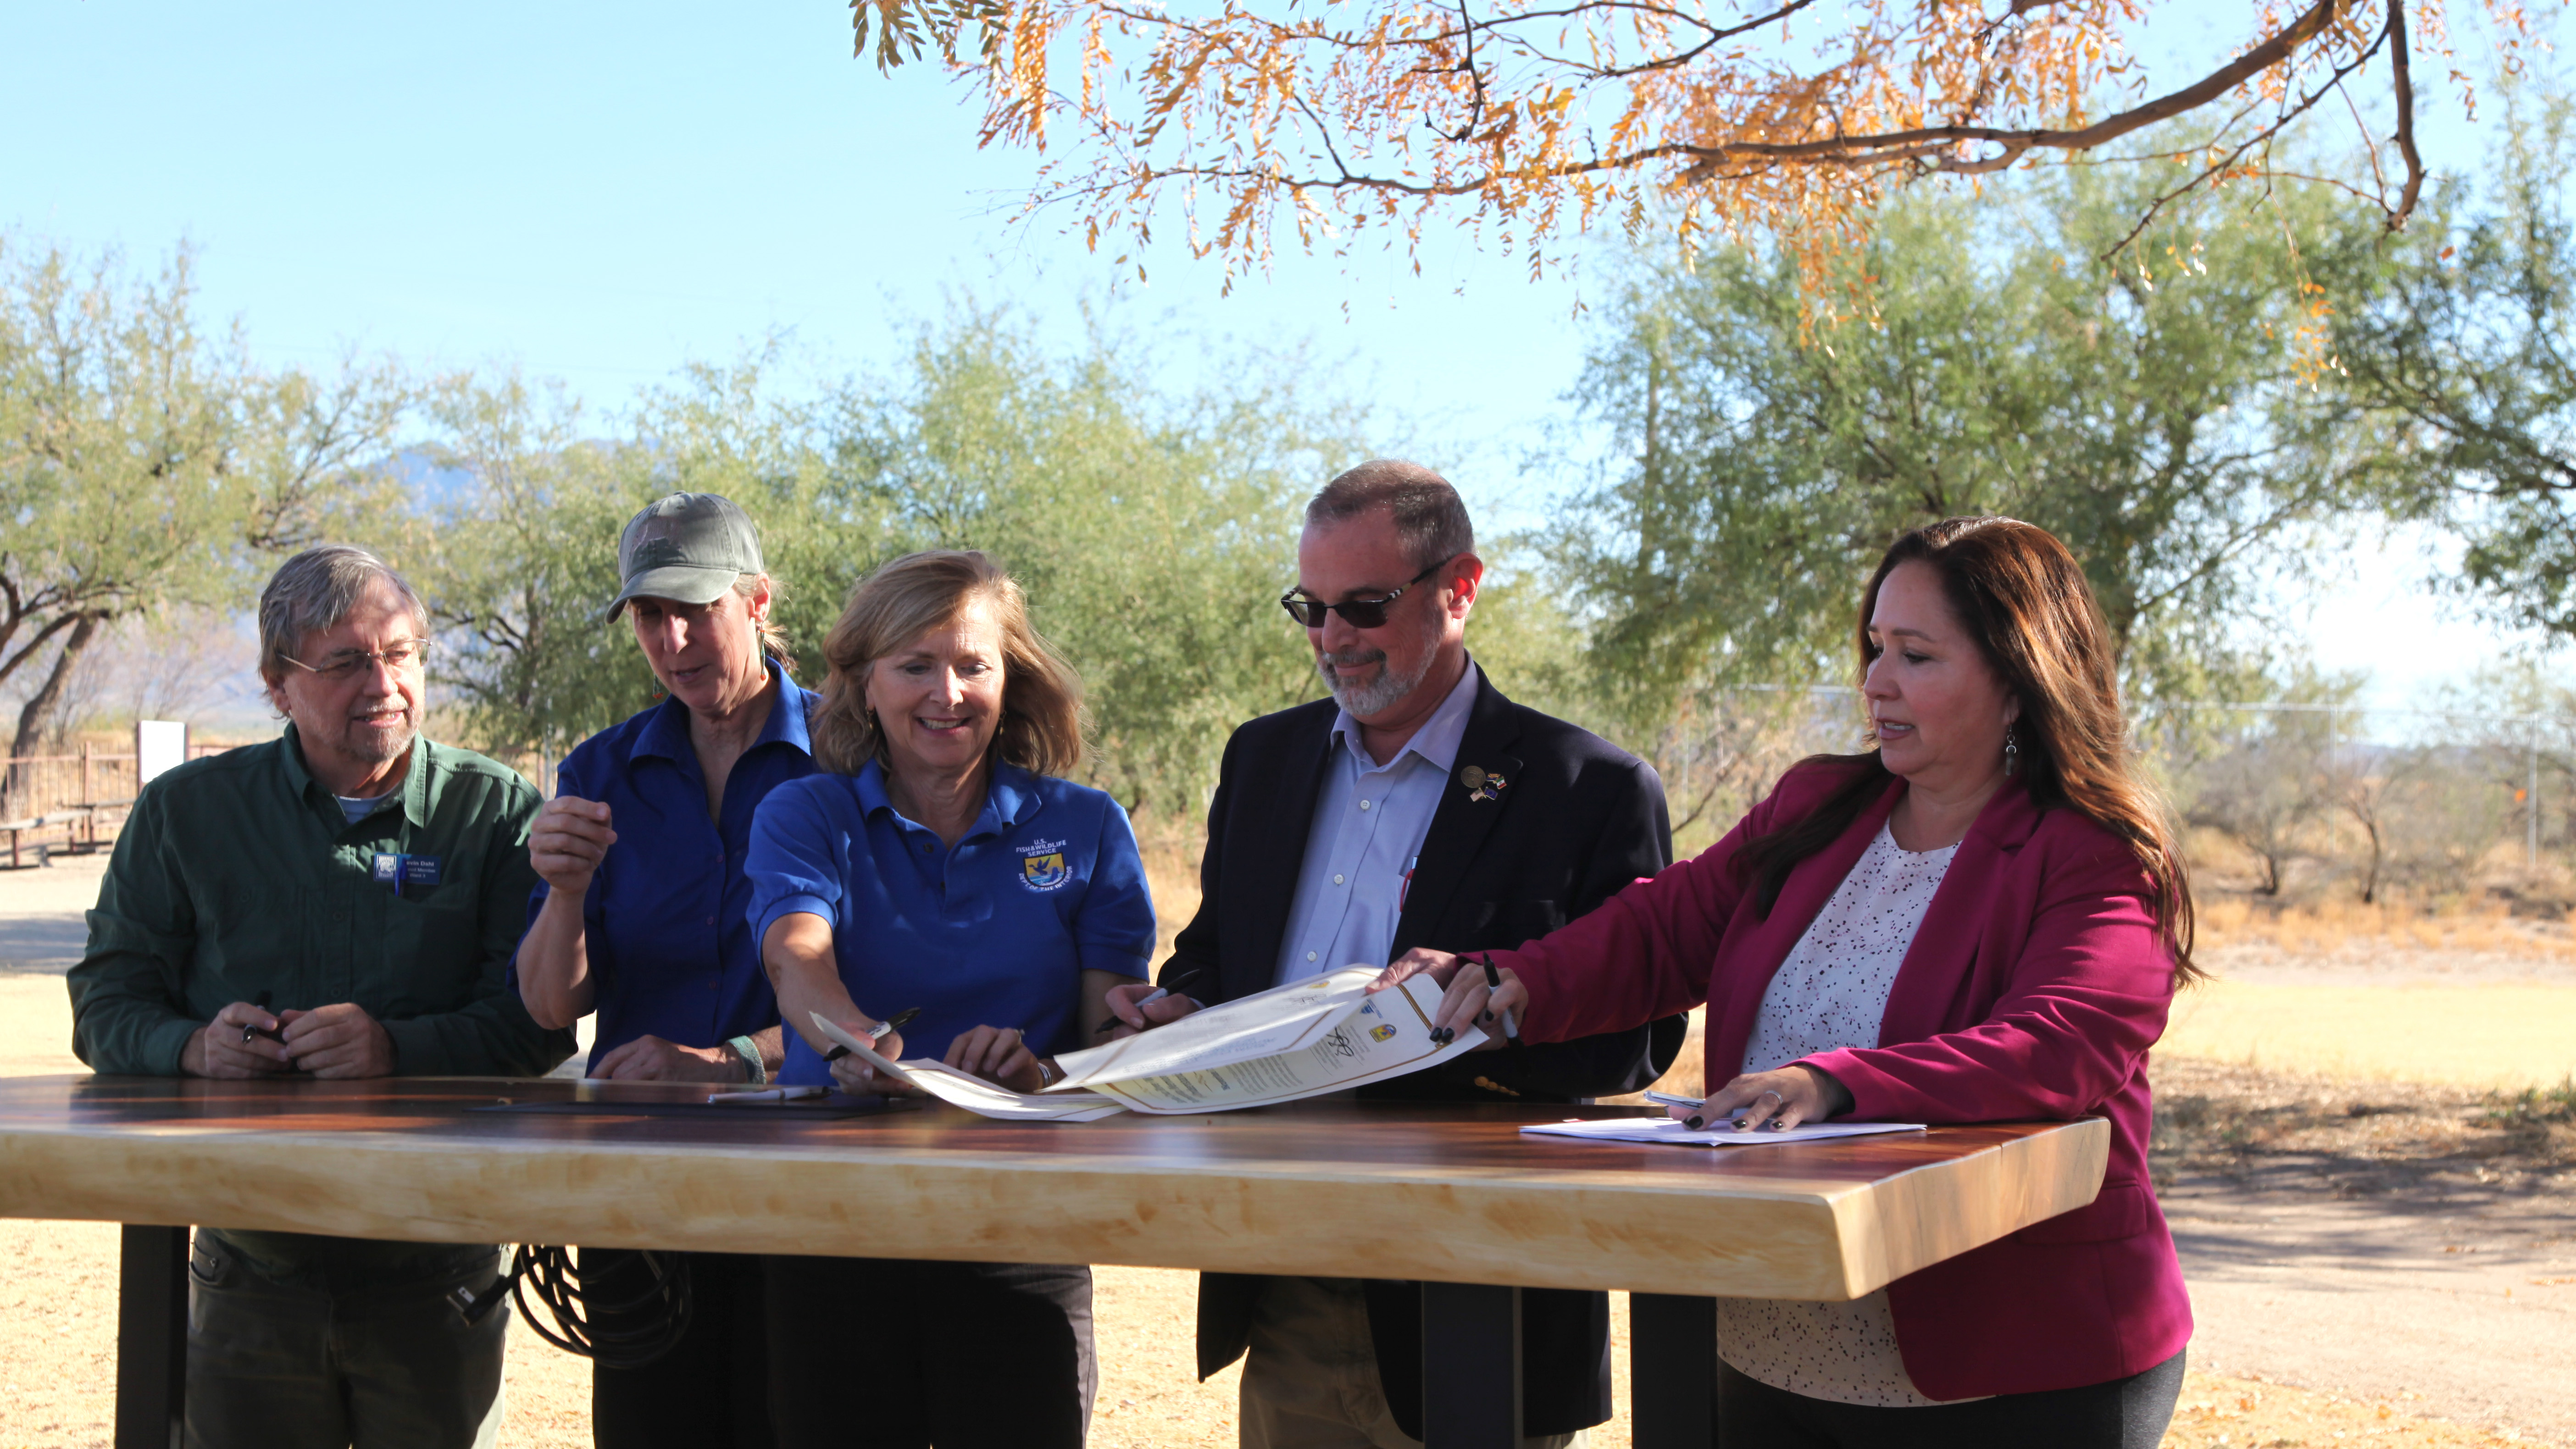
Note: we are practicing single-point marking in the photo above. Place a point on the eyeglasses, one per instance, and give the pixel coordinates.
(402, 656)
(1358, 613)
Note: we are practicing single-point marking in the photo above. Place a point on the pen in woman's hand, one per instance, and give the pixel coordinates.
(1494, 984)
(1671, 1099)
(1150, 997)
(877, 1033)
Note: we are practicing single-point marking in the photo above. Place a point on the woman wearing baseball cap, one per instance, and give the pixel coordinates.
(643, 918)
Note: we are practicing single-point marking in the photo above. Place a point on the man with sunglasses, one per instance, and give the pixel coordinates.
(340, 902)
(1414, 807)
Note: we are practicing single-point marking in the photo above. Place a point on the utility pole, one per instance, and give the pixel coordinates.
(2531, 819)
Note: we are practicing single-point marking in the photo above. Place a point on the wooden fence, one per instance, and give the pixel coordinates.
(72, 802)
(76, 802)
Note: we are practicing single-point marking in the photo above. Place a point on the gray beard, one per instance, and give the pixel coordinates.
(1361, 701)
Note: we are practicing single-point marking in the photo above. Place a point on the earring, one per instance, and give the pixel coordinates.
(2012, 751)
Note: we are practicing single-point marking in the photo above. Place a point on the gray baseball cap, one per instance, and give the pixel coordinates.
(689, 548)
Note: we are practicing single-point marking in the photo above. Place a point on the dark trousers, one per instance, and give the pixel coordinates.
(871, 1353)
(711, 1391)
(322, 1360)
(2128, 1413)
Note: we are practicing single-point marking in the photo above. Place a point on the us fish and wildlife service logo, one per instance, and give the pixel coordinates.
(1042, 866)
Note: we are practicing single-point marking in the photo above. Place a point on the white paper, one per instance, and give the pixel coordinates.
(972, 1092)
(1672, 1131)
(1361, 1039)
(1264, 1024)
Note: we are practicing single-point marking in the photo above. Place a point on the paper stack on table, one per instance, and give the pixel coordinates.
(1323, 1034)
(1670, 1130)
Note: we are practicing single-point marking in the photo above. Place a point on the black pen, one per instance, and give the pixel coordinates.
(1157, 994)
(248, 1032)
(877, 1033)
(1494, 983)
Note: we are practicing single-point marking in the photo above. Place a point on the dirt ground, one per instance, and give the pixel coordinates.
(2370, 1259)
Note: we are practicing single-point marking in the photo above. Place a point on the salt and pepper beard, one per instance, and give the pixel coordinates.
(372, 751)
(1359, 701)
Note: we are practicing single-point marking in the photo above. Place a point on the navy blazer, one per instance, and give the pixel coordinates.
(1575, 820)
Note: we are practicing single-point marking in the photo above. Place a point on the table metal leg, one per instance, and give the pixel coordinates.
(151, 1337)
(1673, 1343)
(1471, 1366)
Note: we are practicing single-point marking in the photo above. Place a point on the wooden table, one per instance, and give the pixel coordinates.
(1452, 1195)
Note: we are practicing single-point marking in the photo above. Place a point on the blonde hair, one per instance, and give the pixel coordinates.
(1041, 726)
(773, 639)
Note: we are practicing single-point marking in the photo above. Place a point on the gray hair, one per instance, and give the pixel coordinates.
(1430, 517)
(315, 590)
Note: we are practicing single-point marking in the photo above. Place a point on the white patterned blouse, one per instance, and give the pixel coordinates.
(1830, 994)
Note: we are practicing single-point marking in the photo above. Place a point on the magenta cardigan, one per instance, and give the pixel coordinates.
(2032, 992)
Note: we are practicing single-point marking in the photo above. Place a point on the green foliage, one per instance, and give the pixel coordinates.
(1152, 531)
(145, 465)
(2143, 413)
(2456, 357)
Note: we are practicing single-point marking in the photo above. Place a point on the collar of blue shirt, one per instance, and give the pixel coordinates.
(1436, 742)
(666, 735)
(1012, 799)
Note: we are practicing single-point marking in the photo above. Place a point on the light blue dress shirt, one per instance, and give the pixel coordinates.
(1369, 823)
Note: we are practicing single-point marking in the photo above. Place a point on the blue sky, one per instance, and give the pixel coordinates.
(600, 193)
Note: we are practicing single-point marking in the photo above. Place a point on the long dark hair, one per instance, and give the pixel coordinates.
(2025, 603)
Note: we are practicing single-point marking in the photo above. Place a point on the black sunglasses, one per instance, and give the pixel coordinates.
(1358, 613)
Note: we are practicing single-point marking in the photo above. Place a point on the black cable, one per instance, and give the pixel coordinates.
(649, 1323)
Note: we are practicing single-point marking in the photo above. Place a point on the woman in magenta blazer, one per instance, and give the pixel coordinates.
(1981, 919)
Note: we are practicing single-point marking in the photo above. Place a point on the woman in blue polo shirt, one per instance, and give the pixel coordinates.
(942, 865)
(642, 918)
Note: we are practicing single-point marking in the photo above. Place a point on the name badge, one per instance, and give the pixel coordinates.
(406, 872)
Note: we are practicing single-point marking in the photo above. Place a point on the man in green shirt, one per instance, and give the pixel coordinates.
(341, 902)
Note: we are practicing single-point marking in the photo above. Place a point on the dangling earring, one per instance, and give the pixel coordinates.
(2012, 752)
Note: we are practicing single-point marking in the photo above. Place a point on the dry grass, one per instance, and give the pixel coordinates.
(2483, 1035)
(2332, 924)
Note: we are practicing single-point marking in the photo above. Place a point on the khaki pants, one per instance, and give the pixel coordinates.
(1310, 1381)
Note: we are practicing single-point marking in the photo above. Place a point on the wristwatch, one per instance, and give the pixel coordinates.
(755, 1071)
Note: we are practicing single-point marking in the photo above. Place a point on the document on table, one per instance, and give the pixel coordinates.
(1671, 1130)
(1323, 1034)
(972, 1092)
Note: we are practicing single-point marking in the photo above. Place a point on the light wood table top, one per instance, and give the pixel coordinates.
(1339, 1189)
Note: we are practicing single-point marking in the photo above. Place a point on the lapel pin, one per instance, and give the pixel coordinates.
(1481, 784)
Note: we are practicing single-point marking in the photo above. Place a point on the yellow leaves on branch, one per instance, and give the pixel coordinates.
(1528, 122)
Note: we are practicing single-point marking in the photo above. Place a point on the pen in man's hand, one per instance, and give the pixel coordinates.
(878, 1032)
(1150, 997)
(249, 1032)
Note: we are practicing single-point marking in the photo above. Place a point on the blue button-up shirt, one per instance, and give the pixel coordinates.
(666, 921)
(1368, 827)
(996, 931)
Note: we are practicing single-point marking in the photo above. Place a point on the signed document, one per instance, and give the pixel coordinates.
(1323, 1034)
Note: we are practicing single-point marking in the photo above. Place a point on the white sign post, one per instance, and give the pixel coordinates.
(159, 744)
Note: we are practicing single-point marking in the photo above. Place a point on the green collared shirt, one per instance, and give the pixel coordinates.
(239, 874)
